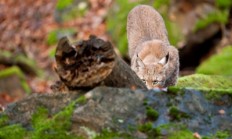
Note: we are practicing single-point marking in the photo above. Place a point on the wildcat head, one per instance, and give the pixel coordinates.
(152, 73)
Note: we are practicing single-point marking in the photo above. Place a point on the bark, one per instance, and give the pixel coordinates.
(90, 63)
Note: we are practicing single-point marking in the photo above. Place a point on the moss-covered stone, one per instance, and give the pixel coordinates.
(107, 134)
(14, 70)
(149, 130)
(151, 113)
(219, 64)
(219, 135)
(43, 125)
(212, 85)
(182, 134)
(176, 114)
(26, 64)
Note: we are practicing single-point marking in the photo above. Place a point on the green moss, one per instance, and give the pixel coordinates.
(213, 86)
(28, 62)
(44, 126)
(145, 127)
(16, 71)
(222, 135)
(218, 16)
(160, 3)
(22, 61)
(52, 52)
(151, 113)
(145, 102)
(148, 129)
(223, 3)
(62, 4)
(57, 126)
(176, 114)
(55, 35)
(3, 120)
(219, 64)
(13, 132)
(219, 135)
(173, 90)
(107, 134)
(81, 100)
(182, 134)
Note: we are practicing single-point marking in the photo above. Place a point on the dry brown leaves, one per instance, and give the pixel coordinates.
(24, 26)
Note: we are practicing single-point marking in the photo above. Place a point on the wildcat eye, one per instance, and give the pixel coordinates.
(144, 81)
(155, 82)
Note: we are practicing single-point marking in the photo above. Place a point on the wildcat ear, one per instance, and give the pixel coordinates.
(139, 62)
(164, 60)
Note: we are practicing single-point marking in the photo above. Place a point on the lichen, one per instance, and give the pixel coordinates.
(219, 64)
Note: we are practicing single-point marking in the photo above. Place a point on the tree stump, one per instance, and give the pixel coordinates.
(91, 63)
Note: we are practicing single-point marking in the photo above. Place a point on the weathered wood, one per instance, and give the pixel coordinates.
(91, 63)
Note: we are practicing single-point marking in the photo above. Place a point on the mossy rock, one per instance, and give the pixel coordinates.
(14, 70)
(219, 64)
(25, 63)
(43, 125)
(212, 85)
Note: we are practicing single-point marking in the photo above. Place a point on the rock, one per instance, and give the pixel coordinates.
(121, 113)
(22, 111)
(109, 108)
(213, 86)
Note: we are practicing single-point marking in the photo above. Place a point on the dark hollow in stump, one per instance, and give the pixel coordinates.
(90, 63)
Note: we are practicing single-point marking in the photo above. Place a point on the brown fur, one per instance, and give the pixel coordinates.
(152, 57)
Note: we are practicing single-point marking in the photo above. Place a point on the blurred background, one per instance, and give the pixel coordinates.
(30, 30)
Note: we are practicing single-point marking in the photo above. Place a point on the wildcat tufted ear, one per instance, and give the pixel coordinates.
(164, 60)
(139, 62)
